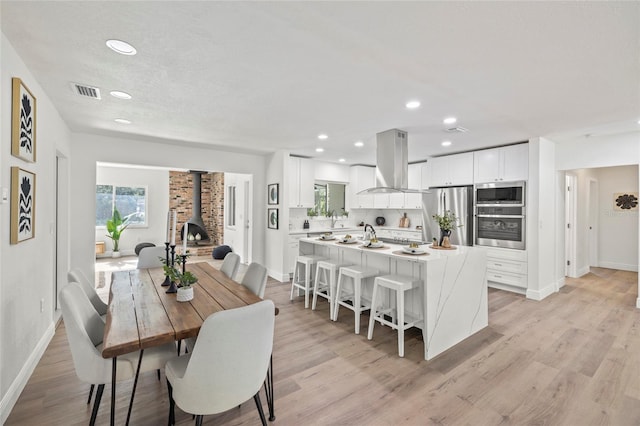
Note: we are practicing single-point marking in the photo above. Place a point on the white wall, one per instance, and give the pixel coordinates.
(89, 149)
(617, 230)
(27, 269)
(157, 183)
(276, 239)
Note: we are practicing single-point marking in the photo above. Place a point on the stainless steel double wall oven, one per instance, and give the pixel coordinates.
(500, 214)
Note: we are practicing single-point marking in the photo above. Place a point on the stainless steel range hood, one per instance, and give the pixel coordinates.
(392, 163)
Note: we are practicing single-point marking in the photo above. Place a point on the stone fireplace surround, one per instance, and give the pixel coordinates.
(212, 199)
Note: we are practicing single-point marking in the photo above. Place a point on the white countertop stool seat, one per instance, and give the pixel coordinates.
(357, 275)
(308, 262)
(325, 282)
(400, 284)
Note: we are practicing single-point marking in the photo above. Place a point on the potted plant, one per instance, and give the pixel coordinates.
(115, 226)
(447, 222)
(185, 281)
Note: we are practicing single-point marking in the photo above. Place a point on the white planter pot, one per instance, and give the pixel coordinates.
(115, 254)
(184, 294)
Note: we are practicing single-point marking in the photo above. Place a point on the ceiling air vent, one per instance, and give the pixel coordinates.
(84, 90)
(457, 129)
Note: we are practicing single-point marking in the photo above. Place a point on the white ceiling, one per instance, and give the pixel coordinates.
(262, 76)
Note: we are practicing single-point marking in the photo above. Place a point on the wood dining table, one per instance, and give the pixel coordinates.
(138, 297)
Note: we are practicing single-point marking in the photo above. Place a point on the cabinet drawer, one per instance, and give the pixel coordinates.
(506, 278)
(504, 266)
(507, 254)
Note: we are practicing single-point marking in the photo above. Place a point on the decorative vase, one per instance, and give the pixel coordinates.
(444, 233)
(184, 294)
(446, 243)
(115, 254)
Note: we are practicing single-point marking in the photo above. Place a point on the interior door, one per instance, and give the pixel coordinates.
(237, 214)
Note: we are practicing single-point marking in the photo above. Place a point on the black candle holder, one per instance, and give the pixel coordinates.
(173, 288)
(184, 262)
(167, 280)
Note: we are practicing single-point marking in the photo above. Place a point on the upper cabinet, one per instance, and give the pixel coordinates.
(361, 178)
(450, 170)
(508, 163)
(301, 180)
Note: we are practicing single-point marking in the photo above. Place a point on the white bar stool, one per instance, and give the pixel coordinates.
(399, 284)
(307, 261)
(357, 274)
(326, 273)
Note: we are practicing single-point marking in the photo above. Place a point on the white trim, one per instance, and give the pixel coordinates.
(620, 266)
(560, 283)
(283, 278)
(638, 303)
(16, 388)
(543, 293)
(583, 271)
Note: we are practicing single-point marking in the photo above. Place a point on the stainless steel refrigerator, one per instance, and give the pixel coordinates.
(459, 200)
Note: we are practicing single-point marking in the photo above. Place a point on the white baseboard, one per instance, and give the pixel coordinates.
(542, 293)
(638, 303)
(560, 283)
(582, 271)
(619, 266)
(16, 388)
(277, 275)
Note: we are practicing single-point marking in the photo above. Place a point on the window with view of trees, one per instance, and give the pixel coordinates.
(131, 202)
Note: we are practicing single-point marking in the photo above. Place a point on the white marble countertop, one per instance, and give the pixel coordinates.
(391, 250)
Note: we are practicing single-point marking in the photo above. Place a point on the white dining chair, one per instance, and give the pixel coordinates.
(149, 257)
(230, 265)
(255, 279)
(85, 330)
(77, 276)
(227, 365)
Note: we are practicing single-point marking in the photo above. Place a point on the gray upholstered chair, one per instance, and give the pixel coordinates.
(255, 279)
(150, 257)
(230, 265)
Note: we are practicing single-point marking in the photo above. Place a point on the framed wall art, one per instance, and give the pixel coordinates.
(625, 201)
(23, 122)
(23, 205)
(273, 191)
(272, 218)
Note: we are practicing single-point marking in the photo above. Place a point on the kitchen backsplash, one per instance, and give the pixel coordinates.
(392, 218)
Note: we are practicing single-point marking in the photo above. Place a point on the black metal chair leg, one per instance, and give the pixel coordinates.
(114, 366)
(199, 420)
(90, 394)
(179, 346)
(172, 405)
(135, 384)
(158, 371)
(268, 390)
(256, 398)
(96, 404)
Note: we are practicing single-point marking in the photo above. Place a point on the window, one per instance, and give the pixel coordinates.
(329, 199)
(131, 202)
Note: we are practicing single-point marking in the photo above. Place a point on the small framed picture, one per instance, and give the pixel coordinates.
(23, 205)
(272, 218)
(273, 193)
(23, 122)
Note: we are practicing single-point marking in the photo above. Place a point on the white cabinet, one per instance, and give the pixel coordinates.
(292, 251)
(301, 180)
(451, 170)
(416, 177)
(361, 178)
(508, 163)
(507, 269)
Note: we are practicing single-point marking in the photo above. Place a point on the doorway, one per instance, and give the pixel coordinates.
(238, 226)
(592, 222)
(571, 190)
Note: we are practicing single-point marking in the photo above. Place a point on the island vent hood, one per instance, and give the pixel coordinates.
(392, 163)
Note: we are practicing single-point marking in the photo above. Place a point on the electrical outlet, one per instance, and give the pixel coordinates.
(42, 305)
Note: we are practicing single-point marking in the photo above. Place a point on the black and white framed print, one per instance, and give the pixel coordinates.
(272, 218)
(273, 193)
(23, 122)
(23, 205)
(625, 201)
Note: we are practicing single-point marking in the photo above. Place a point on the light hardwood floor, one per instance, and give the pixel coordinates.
(571, 359)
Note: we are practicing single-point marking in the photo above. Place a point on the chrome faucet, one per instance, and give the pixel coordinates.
(334, 219)
(369, 235)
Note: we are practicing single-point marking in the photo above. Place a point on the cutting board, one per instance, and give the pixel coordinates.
(404, 221)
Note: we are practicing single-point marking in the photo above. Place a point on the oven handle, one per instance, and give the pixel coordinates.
(503, 216)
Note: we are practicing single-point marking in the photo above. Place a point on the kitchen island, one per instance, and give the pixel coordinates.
(452, 300)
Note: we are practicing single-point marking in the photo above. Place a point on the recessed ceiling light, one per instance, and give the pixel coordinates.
(319, 149)
(449, 120)
(122, 121)
(342, 160)
(359, 144)
(121, 47)
(413, 104)
(120, 95)
(446, 143)
(322, 136)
